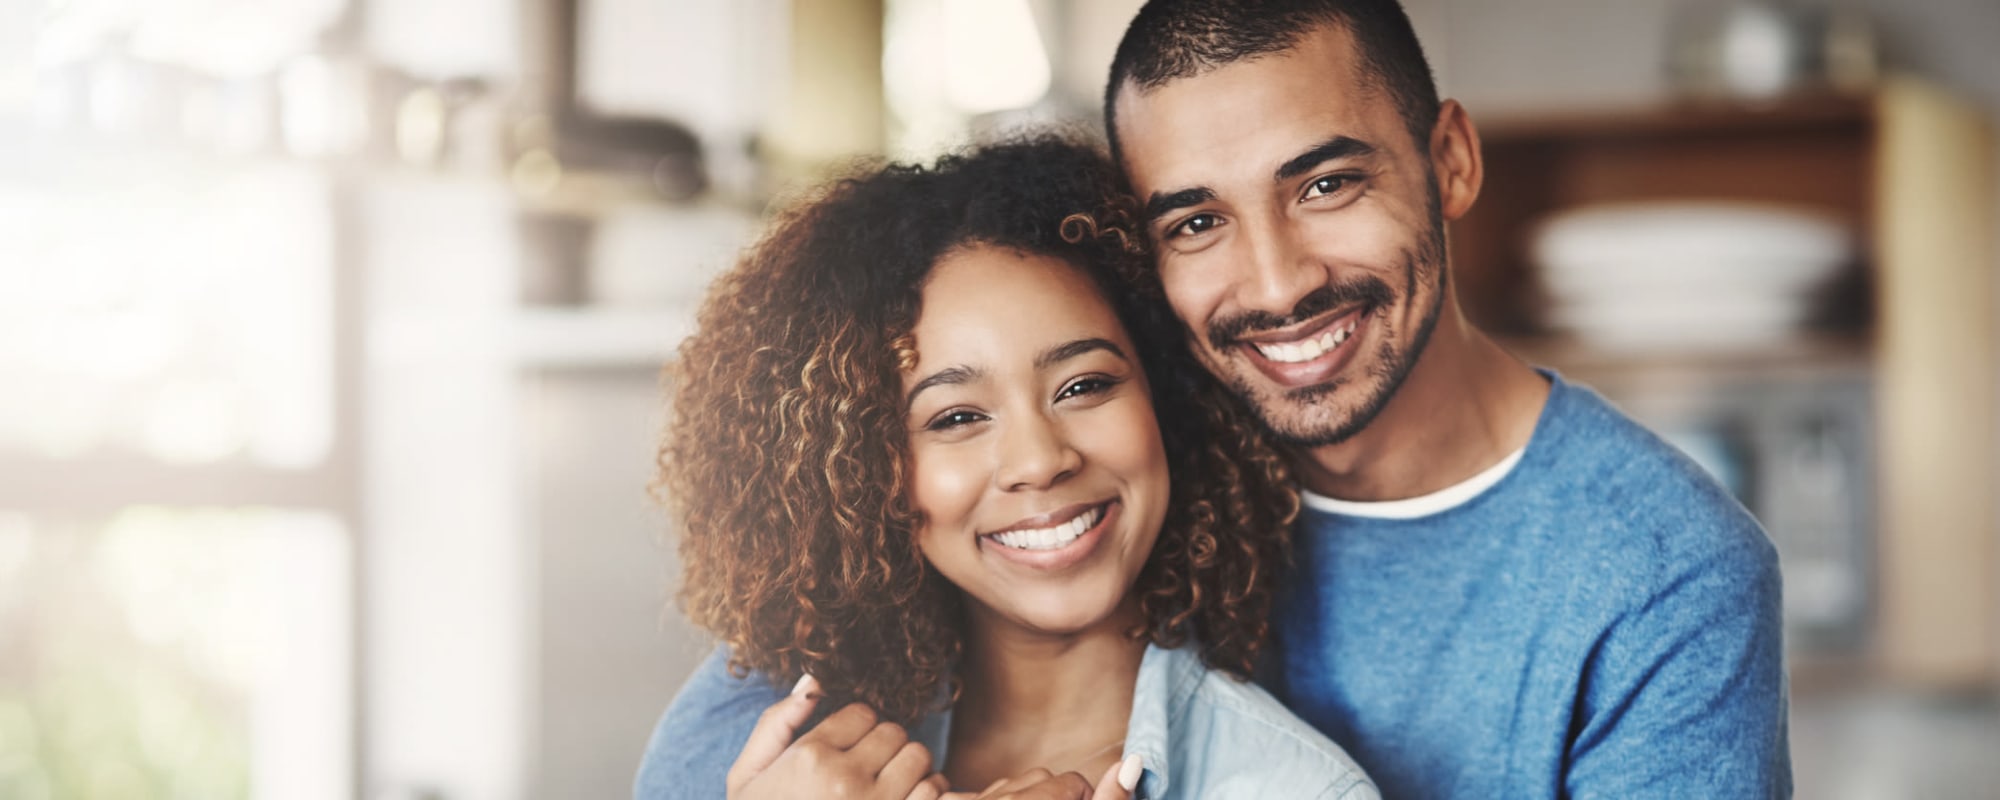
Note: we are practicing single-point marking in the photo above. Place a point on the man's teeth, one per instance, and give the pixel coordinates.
(1052, 537)
(1295, 352)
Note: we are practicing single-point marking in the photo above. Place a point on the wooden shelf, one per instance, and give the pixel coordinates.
(1689, 118)
(1812, 154)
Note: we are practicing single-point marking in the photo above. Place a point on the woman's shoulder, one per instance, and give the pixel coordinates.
(1229, 738)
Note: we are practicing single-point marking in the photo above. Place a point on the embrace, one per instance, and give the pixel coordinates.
(1176, 471)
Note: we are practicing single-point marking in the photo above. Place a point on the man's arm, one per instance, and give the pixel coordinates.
(702, 732)
(1685, 696)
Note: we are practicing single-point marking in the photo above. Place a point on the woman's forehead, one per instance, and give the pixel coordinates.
(997, 303)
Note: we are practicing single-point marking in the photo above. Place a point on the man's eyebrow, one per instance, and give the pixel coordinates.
(949, 376)
(1336, 147)
(1068, 350)
(1164, 203)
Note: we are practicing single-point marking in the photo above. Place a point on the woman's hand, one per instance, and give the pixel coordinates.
(1039, 784)
(850, 754)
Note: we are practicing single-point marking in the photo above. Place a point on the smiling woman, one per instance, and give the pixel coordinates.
(790, 458)
(939, 445)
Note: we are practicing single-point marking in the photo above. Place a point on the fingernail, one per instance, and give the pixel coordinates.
(1128, 772)
(805, 686)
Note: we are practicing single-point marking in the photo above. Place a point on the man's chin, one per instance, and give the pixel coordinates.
(1308, 416)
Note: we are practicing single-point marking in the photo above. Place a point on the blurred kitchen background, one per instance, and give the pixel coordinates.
(331, 334)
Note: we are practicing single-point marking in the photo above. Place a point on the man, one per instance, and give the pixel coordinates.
(1504, 588)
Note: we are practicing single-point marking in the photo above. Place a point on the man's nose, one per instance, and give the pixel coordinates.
(1281, 273)
(1035, 453)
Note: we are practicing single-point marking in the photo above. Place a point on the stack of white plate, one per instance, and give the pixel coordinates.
(1687, 274)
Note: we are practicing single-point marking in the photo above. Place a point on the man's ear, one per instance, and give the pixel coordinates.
(1456, 160)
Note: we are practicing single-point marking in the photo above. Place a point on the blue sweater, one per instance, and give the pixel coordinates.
(1602, 622)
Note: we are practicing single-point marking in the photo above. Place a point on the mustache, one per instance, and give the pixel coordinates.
(1368, 292)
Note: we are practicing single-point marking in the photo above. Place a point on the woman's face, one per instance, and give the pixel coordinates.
(1036, 458)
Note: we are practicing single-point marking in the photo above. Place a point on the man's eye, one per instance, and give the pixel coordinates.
(954, 419)
(1197, 224)
(1327, 185)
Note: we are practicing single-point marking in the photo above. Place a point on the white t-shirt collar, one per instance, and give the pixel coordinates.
(1436, 502)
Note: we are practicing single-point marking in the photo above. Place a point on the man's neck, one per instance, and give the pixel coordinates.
(1464, 406)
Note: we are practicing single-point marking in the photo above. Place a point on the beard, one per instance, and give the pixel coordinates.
(1302, 417)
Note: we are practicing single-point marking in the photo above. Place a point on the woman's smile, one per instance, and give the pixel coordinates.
(1058, 546)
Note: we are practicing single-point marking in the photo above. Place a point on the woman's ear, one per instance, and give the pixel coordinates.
(1455, 160)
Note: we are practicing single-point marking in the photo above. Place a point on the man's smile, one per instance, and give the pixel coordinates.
(1310, 354)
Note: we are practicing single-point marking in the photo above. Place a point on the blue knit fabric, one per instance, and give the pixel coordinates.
(1603, 622)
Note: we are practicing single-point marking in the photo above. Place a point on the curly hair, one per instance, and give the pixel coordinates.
(785, 452)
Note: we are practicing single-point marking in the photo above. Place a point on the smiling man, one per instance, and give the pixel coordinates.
(1505, 588)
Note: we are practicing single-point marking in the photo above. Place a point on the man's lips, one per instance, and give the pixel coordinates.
(1309, 354)
(1307, 340)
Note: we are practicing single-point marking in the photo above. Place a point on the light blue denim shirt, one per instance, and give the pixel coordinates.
(1202, 735)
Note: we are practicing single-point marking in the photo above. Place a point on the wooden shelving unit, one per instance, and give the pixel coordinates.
(1910, 169)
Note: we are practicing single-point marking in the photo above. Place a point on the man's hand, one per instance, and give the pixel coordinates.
(849, 755)
(1039, 784)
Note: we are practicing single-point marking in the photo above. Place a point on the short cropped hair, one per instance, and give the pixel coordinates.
(786, 455)
(1173, 39)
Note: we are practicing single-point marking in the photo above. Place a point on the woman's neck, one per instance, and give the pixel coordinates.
(1037, 700)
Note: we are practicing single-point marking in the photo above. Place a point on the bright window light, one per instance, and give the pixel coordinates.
(179, 312)
(996, 58)
(176, 652)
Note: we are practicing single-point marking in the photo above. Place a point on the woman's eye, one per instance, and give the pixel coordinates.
(1086, 386)
(954, 419)
(1195, 225)
(1327, 185)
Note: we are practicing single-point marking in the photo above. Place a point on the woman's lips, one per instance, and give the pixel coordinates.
(1049, 537)
(1056, 546)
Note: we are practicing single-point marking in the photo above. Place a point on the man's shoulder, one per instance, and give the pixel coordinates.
(1623, 495)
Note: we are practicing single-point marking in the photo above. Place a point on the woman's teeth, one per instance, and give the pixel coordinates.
(1052, 537)
(1295, 352)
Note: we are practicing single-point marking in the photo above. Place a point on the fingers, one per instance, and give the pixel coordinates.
(844, 728)
(1039, 784)
(934, 787)
(909, 765)
(1119, 781)
(1000, 787)
(775, 731)
(880, 744)
(1067, 786)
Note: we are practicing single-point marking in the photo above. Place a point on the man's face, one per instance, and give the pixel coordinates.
(1298, 230)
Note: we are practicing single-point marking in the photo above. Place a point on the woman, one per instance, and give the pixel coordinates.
(938, 445)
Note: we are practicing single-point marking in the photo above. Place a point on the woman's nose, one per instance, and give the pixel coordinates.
(1035, 453)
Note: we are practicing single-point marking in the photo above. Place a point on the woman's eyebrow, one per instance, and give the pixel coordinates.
(949, 376)
(1072, 349)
